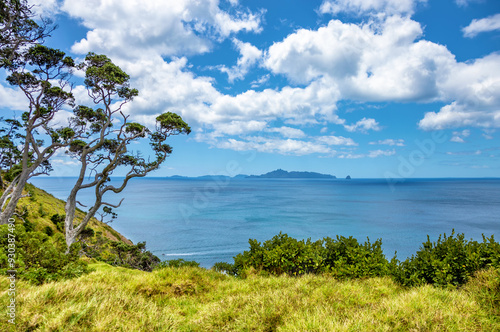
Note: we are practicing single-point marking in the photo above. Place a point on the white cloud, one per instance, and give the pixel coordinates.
(249, 56)
(300, 106)
(386, 61)
(490, 23)
(382, 60)
(458, 136)
(363, 125)
(261, 81)
(266, 145)
(288, 132)
(128, 28)
(379, 153)
(239, 127)
(370, 62)
(475, 89)
(456, 115)
(361, 7)
(336, 140)
(391, 142)
(13, 99)
(44, 8)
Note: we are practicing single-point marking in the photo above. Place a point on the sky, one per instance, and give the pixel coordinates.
(368, 88)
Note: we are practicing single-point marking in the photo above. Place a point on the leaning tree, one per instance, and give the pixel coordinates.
(41, 73)
(104, 149)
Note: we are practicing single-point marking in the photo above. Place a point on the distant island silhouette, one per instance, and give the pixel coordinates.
(276, 174)
(282, 174)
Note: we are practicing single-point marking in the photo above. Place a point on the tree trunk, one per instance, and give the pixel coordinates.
(9, 210)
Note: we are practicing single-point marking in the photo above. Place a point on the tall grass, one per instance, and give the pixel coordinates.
(195, 299)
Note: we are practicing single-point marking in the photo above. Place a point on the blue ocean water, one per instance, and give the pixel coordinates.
(210, 220)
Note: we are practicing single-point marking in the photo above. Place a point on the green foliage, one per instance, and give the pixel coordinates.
(136, 129)
(77, 146)
(133, 256)
(48, 230)
(100, 72)
(450, 261)
(173, 123)
(342, 257)
(176, 263)
(39, 258)
(346, 258)
(58, 221)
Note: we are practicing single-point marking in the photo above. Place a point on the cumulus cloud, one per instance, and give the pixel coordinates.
(363, 7)
(456, 115)
(383, 59)
(249, 56)
(387, 61)
(490, 23)
(127, 28)
(369, 62)
(363, 125)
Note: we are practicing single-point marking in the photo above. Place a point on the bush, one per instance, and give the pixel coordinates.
(133, 256)
(346, 258)
(342, 257)
(40, 258)
(450, 261)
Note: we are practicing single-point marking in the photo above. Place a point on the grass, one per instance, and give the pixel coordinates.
(42, 205)
(195, 299)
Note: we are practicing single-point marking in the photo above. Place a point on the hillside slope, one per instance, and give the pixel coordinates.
(41, 206)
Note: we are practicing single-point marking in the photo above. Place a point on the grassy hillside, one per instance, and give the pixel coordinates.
(195, 299)
(40, 206)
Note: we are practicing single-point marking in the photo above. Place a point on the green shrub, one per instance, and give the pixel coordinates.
(224, 267)
(342, 257)
(450, 261)
(133, 256)
(40, 258)
(346, 258)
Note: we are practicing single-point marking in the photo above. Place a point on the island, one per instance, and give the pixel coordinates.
(282, 174)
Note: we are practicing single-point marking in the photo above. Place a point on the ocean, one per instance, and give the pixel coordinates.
(210, 220)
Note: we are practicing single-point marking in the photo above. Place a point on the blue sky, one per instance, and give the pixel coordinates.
(369, 88)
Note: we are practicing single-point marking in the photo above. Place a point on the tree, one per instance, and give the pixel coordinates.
(42, 74)
(18, 30)
(10, 154)
(104, 147)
